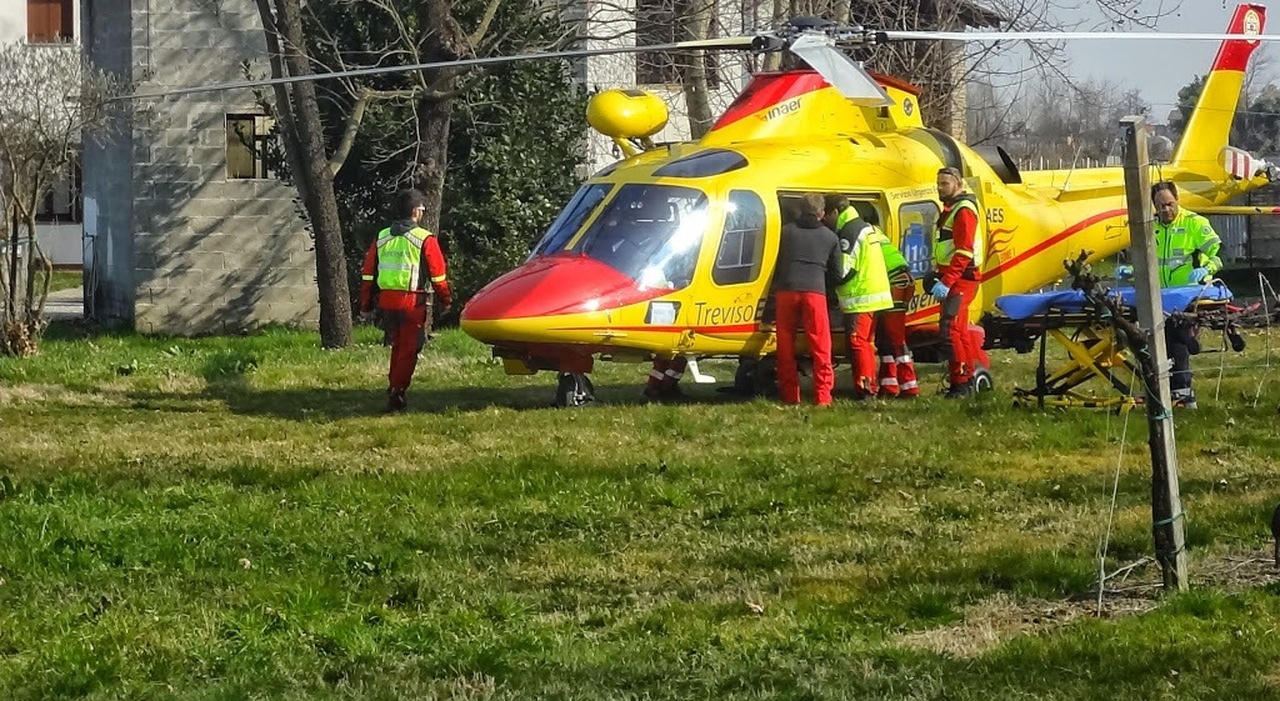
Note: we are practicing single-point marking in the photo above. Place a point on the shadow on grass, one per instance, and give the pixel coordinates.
(226, 381)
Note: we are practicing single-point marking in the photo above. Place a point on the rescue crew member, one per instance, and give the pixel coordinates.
(808, 260)
(1187, 247)
(897, 367)
(863, 290)
(957, 260)
(403, 267)
(664, 378)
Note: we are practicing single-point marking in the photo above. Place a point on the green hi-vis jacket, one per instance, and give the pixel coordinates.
(400, 259)
(867, 289)
(1186, 243)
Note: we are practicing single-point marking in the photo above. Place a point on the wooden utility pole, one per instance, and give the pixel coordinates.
(1166, 503)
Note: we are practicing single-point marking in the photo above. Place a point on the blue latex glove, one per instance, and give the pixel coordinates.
(1124, 272)
(1199, 274)
(940, 291)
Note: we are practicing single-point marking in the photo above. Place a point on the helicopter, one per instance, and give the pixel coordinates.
(670, 251)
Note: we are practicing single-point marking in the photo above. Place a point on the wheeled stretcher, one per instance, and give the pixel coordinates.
(1094, 345)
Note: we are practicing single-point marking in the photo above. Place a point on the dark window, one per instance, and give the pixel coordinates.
(50, 21)
(62, 204)
(579, 209)
(742, 245)
(710, 162)
(916, 222)
(660, 22)
(248, 143)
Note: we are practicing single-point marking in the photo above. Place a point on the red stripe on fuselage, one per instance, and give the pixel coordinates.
(1034, 250)
(1056, 238)
(735, 328)
(767, 90)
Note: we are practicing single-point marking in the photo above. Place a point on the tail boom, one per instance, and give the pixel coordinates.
(1209, 127)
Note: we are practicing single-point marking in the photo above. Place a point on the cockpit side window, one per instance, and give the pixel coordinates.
(741, 251)
(651, 233)
(579, 209)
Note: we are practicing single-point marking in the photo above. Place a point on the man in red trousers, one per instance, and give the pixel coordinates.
(808, 260)
(403, 267)
(957, 260)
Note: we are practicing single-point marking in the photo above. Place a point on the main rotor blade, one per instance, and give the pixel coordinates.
(993, 37)
(842, 72)
(738, 42)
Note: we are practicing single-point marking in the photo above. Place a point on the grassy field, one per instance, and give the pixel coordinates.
(233, 518)
(66, 280)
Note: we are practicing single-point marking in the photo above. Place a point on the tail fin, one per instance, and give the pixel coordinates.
(1209, 128)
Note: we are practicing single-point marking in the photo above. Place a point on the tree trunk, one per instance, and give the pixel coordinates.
(315, 178)
(442, 40)
(697, 89)
(434, 118)
(14, 277)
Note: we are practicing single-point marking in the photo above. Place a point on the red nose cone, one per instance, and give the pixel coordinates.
(556, 284)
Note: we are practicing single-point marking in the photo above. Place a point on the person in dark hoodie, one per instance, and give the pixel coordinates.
(402, 269)
(808, 261)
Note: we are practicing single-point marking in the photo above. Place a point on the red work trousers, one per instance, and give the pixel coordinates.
(958, 344)
(407, 330)
(897, 367)
(809, 310)
(860, 327)
(665, 376)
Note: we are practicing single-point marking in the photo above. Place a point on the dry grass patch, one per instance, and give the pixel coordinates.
(1136, 590)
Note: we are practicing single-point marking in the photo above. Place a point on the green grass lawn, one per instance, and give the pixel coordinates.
(66, 280)
(233, 518)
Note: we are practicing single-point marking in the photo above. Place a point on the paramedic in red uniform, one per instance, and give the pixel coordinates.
(403, 267)
(808, 260)
(957, 259)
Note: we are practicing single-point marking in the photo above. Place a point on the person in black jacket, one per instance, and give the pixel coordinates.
(808, 260)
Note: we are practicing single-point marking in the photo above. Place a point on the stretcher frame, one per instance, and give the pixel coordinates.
(1095, 349)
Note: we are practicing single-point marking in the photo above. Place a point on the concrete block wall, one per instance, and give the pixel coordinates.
(207, 254)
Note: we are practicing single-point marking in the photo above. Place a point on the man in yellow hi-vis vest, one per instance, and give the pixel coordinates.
(957, 260)
(1187, 247)
(403, 267)
(863, 289)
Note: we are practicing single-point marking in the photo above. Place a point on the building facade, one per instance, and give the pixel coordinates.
(187, 231)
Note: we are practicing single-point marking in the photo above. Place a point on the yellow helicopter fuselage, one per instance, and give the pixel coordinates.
(671, 251)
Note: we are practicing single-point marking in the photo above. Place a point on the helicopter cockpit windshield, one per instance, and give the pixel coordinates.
(650, 233)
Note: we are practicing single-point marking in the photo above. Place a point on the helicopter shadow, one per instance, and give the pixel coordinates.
(237, 394)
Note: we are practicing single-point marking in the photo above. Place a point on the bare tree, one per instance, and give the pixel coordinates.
(303, 135)
(411, 32)
(53, 97)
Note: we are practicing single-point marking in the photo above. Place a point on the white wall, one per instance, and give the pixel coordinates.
(61, 243)
(13, 20)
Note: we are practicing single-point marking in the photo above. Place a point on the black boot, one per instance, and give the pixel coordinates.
(396, 400)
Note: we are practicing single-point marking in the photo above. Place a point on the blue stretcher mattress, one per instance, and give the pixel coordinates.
(1173, 299)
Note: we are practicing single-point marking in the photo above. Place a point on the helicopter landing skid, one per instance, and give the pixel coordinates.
(698, 377)
(574, 389)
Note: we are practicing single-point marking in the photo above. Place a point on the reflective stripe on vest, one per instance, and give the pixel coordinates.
(400, 259)
(869, 290)
(944, 249)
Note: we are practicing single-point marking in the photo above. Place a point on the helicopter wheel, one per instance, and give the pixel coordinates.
(756, 377)
(574, 389)
(983, 381)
